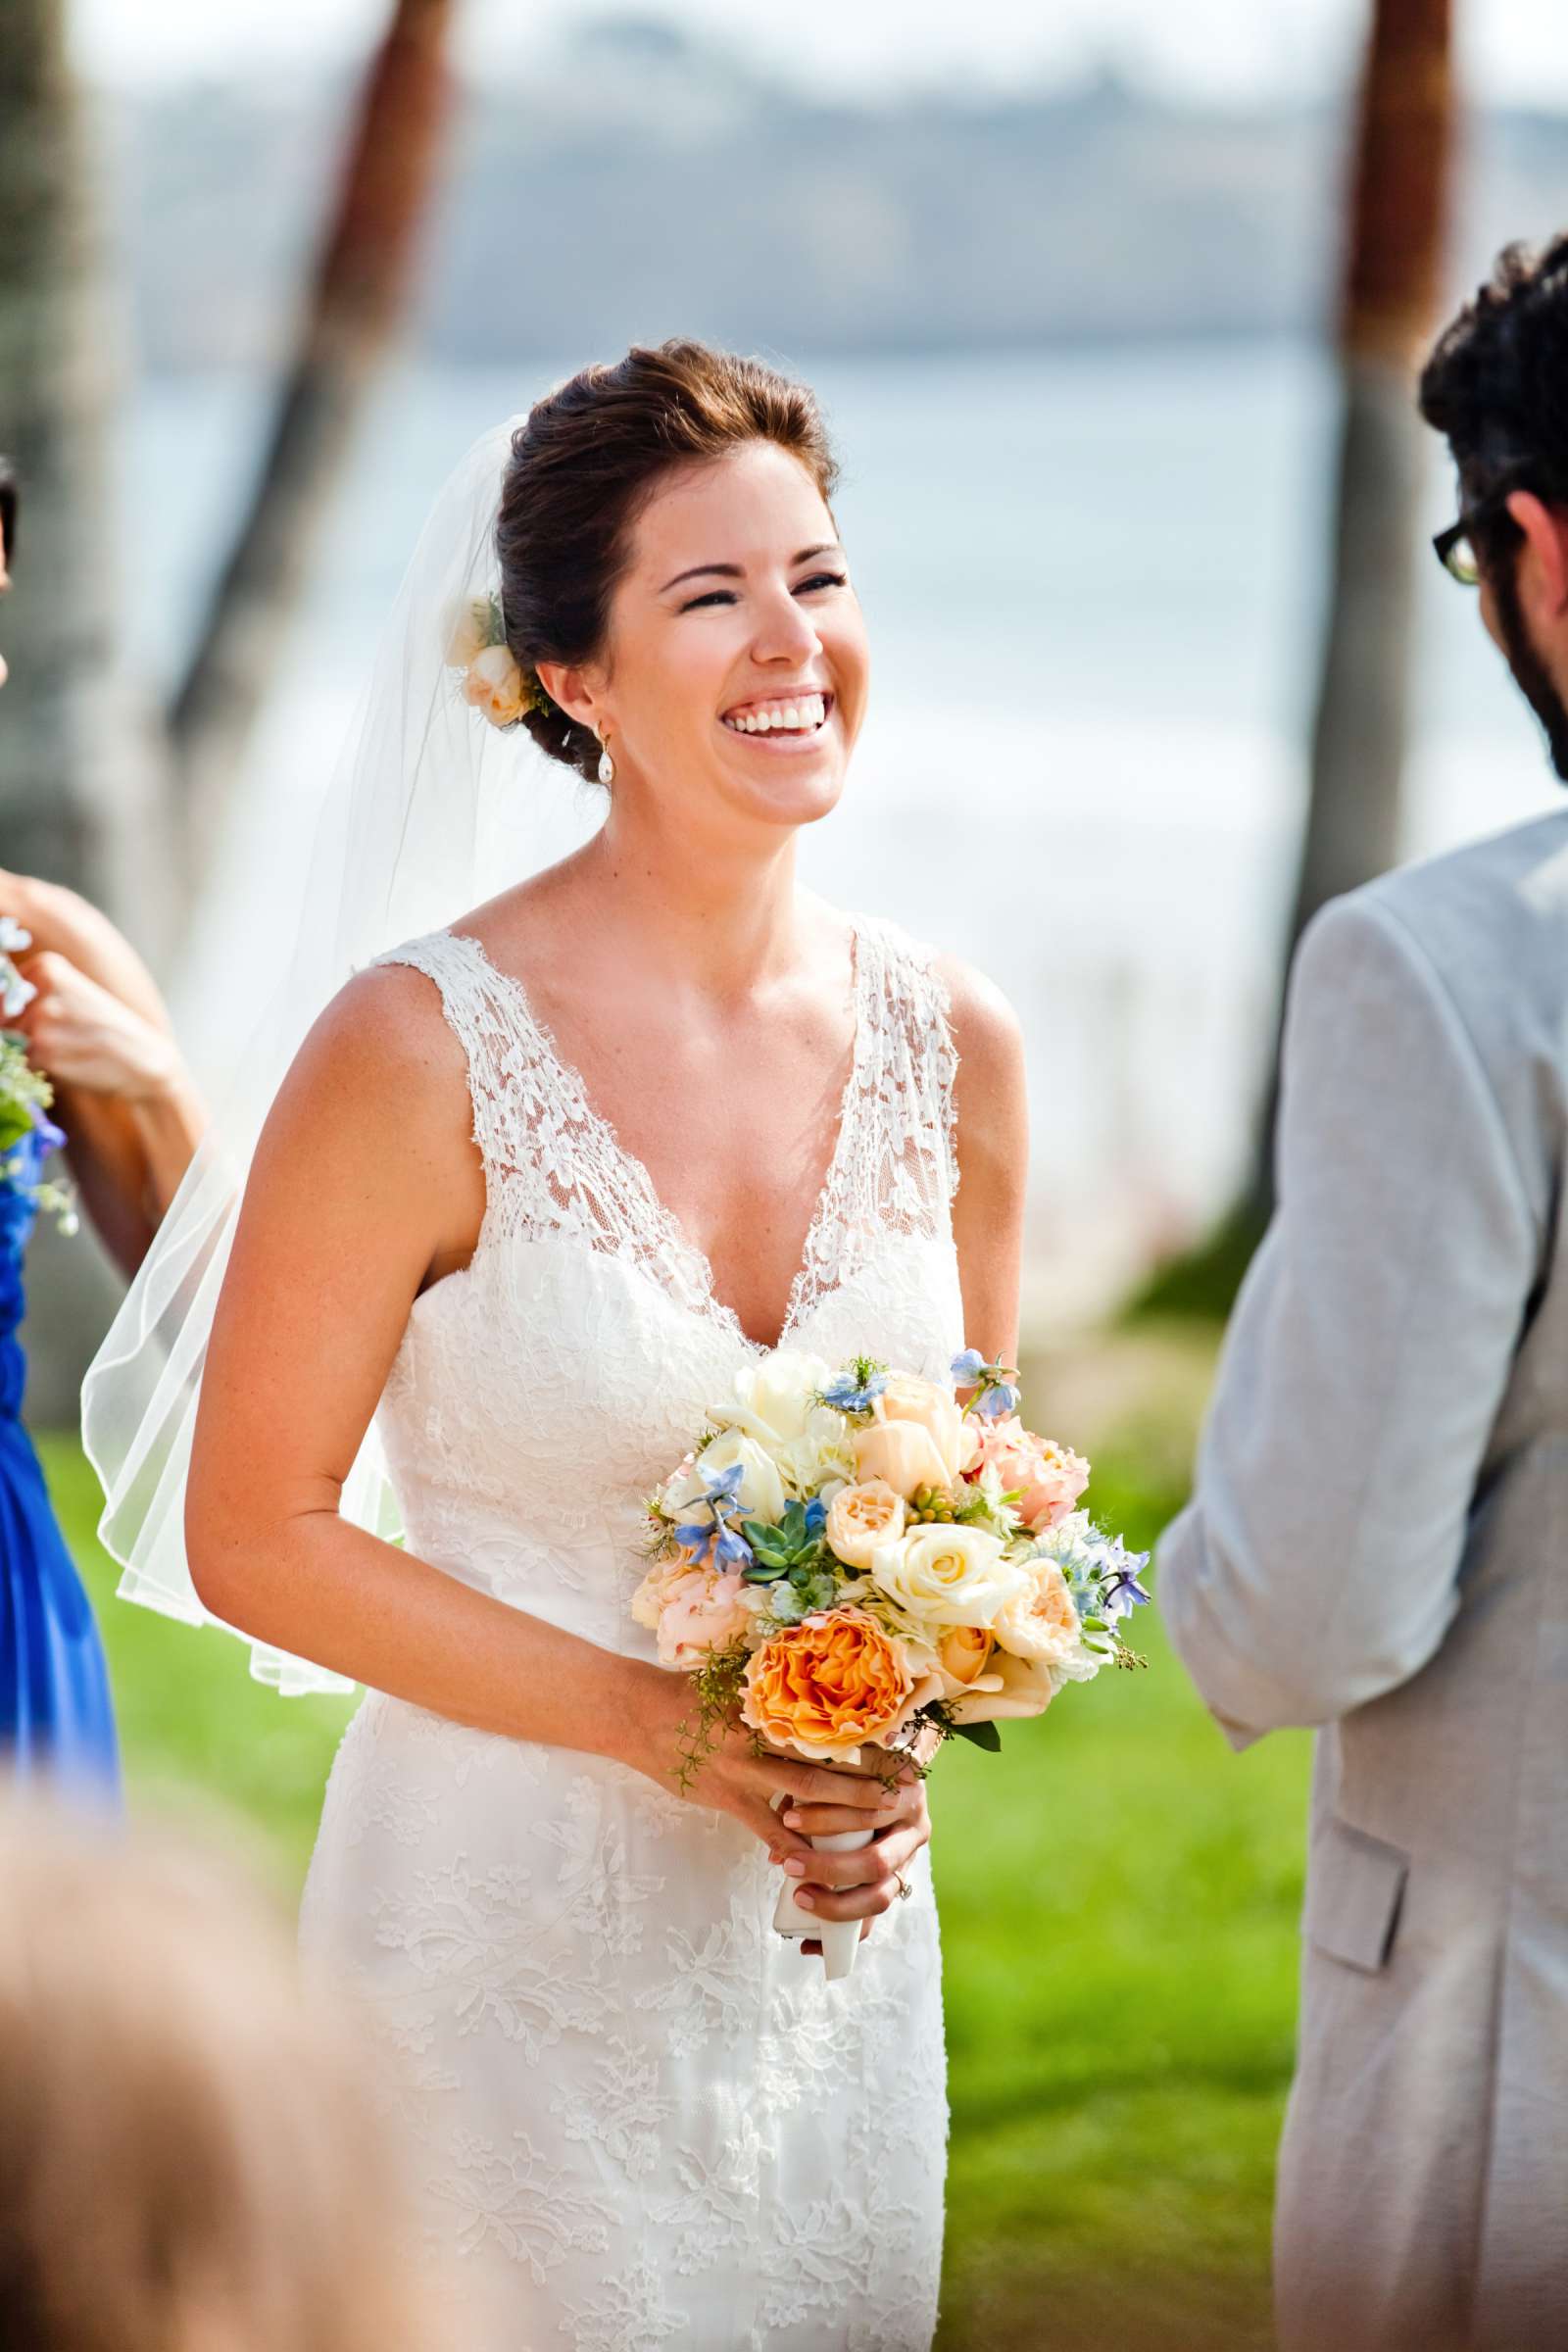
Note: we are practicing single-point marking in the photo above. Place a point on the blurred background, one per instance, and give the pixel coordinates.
(1114, 311)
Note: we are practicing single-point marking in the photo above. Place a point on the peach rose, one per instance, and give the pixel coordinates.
(861, 1517)
(900, 1454)
(494, 686)
(963, 1655)
(831, 1682)
(1009, 1688)
(700, 1612)
(1041, 1623)
(1047, 1478)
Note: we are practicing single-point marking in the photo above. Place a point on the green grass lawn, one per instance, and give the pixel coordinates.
(1118, 1904)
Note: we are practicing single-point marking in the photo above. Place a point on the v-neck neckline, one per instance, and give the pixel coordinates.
(670, 1225)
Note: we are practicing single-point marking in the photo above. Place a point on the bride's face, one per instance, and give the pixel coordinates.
(736, 668)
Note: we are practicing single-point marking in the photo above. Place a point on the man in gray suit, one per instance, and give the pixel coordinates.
(1378, 1543)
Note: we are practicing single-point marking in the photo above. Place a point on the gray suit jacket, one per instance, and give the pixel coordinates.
(1379, 1545)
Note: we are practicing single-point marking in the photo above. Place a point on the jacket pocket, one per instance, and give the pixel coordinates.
(1354, 1891)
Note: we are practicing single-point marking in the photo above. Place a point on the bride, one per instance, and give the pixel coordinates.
(536, 1186)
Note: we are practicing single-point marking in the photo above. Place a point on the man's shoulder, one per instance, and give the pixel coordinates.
(1488, 922)
(1512, 887)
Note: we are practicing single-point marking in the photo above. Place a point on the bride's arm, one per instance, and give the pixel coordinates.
(365, 1181)
(993, 1123)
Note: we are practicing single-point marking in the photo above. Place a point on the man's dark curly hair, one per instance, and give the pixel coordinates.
(1497, 382)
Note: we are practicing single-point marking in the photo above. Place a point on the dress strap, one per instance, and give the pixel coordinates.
(897, 1167)
(913, 1064)
(481, 1013)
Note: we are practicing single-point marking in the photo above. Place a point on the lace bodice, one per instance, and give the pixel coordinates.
(541, 1392)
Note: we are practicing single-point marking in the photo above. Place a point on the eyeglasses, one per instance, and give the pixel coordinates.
(1456, 553)
(1455, 548)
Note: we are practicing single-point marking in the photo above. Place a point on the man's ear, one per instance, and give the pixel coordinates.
(569, 686)
(1542, 572)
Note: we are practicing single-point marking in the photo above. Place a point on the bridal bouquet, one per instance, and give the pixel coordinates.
(27, 1134)
(856, 1558)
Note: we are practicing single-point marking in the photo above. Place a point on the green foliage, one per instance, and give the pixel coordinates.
(21, 1088)
(979, 1735)
(780, 1546)
(716, 1688)
(1202, 1286)
(1119, 1896)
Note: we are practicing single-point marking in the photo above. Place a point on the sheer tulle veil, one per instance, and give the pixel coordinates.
(430, 811)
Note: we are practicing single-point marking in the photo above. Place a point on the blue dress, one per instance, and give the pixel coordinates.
(56, 1718)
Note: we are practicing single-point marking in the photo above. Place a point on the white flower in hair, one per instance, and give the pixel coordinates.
(493, 683)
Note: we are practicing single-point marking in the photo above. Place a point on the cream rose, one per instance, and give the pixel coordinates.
(761, 1490)
(947, 1575)
(861, 1517)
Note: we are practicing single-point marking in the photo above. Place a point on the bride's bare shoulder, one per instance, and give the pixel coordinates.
(383, 1053)
(985, 1028)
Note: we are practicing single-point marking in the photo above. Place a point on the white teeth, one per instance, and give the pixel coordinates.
(789, 718)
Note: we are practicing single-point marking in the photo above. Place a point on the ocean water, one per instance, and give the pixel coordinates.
(1093, 581)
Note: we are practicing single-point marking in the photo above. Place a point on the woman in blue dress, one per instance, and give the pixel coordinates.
(96, 1027)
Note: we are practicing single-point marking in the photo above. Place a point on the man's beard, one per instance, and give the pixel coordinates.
(1530, 673)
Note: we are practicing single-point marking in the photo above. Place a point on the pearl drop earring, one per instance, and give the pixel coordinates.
(606, 765)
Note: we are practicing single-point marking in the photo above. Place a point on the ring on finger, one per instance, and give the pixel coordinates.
(905, 1888)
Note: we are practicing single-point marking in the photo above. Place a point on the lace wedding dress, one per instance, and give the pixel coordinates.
(638, 2116)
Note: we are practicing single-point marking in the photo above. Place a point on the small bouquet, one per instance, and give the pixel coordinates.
(27, 1134)
(857, 1558)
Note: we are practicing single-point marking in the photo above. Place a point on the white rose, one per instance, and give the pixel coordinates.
(761, 1490)
(821, 1458)
(947, 1575)
(774, 1399)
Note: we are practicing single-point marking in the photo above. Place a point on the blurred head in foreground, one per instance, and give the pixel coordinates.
(1497, 384)
(185, 2161)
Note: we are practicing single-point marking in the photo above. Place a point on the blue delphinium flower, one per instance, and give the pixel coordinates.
(847, 1393)
(996, 1383)
(1120, 1593)
(714, 1542)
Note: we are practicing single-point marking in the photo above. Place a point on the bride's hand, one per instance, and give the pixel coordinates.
(757, 1790)
(863, 1884)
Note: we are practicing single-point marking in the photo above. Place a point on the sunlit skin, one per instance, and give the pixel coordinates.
(706, 1002)
(1541, 576)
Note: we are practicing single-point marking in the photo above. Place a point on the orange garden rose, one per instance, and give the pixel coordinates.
(827, 1685)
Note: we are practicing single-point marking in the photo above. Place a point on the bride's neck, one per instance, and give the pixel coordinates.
(722, 918)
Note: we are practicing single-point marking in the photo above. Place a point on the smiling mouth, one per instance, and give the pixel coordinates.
(787, 717)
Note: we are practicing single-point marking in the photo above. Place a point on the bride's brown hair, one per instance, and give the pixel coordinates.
(584, 466)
